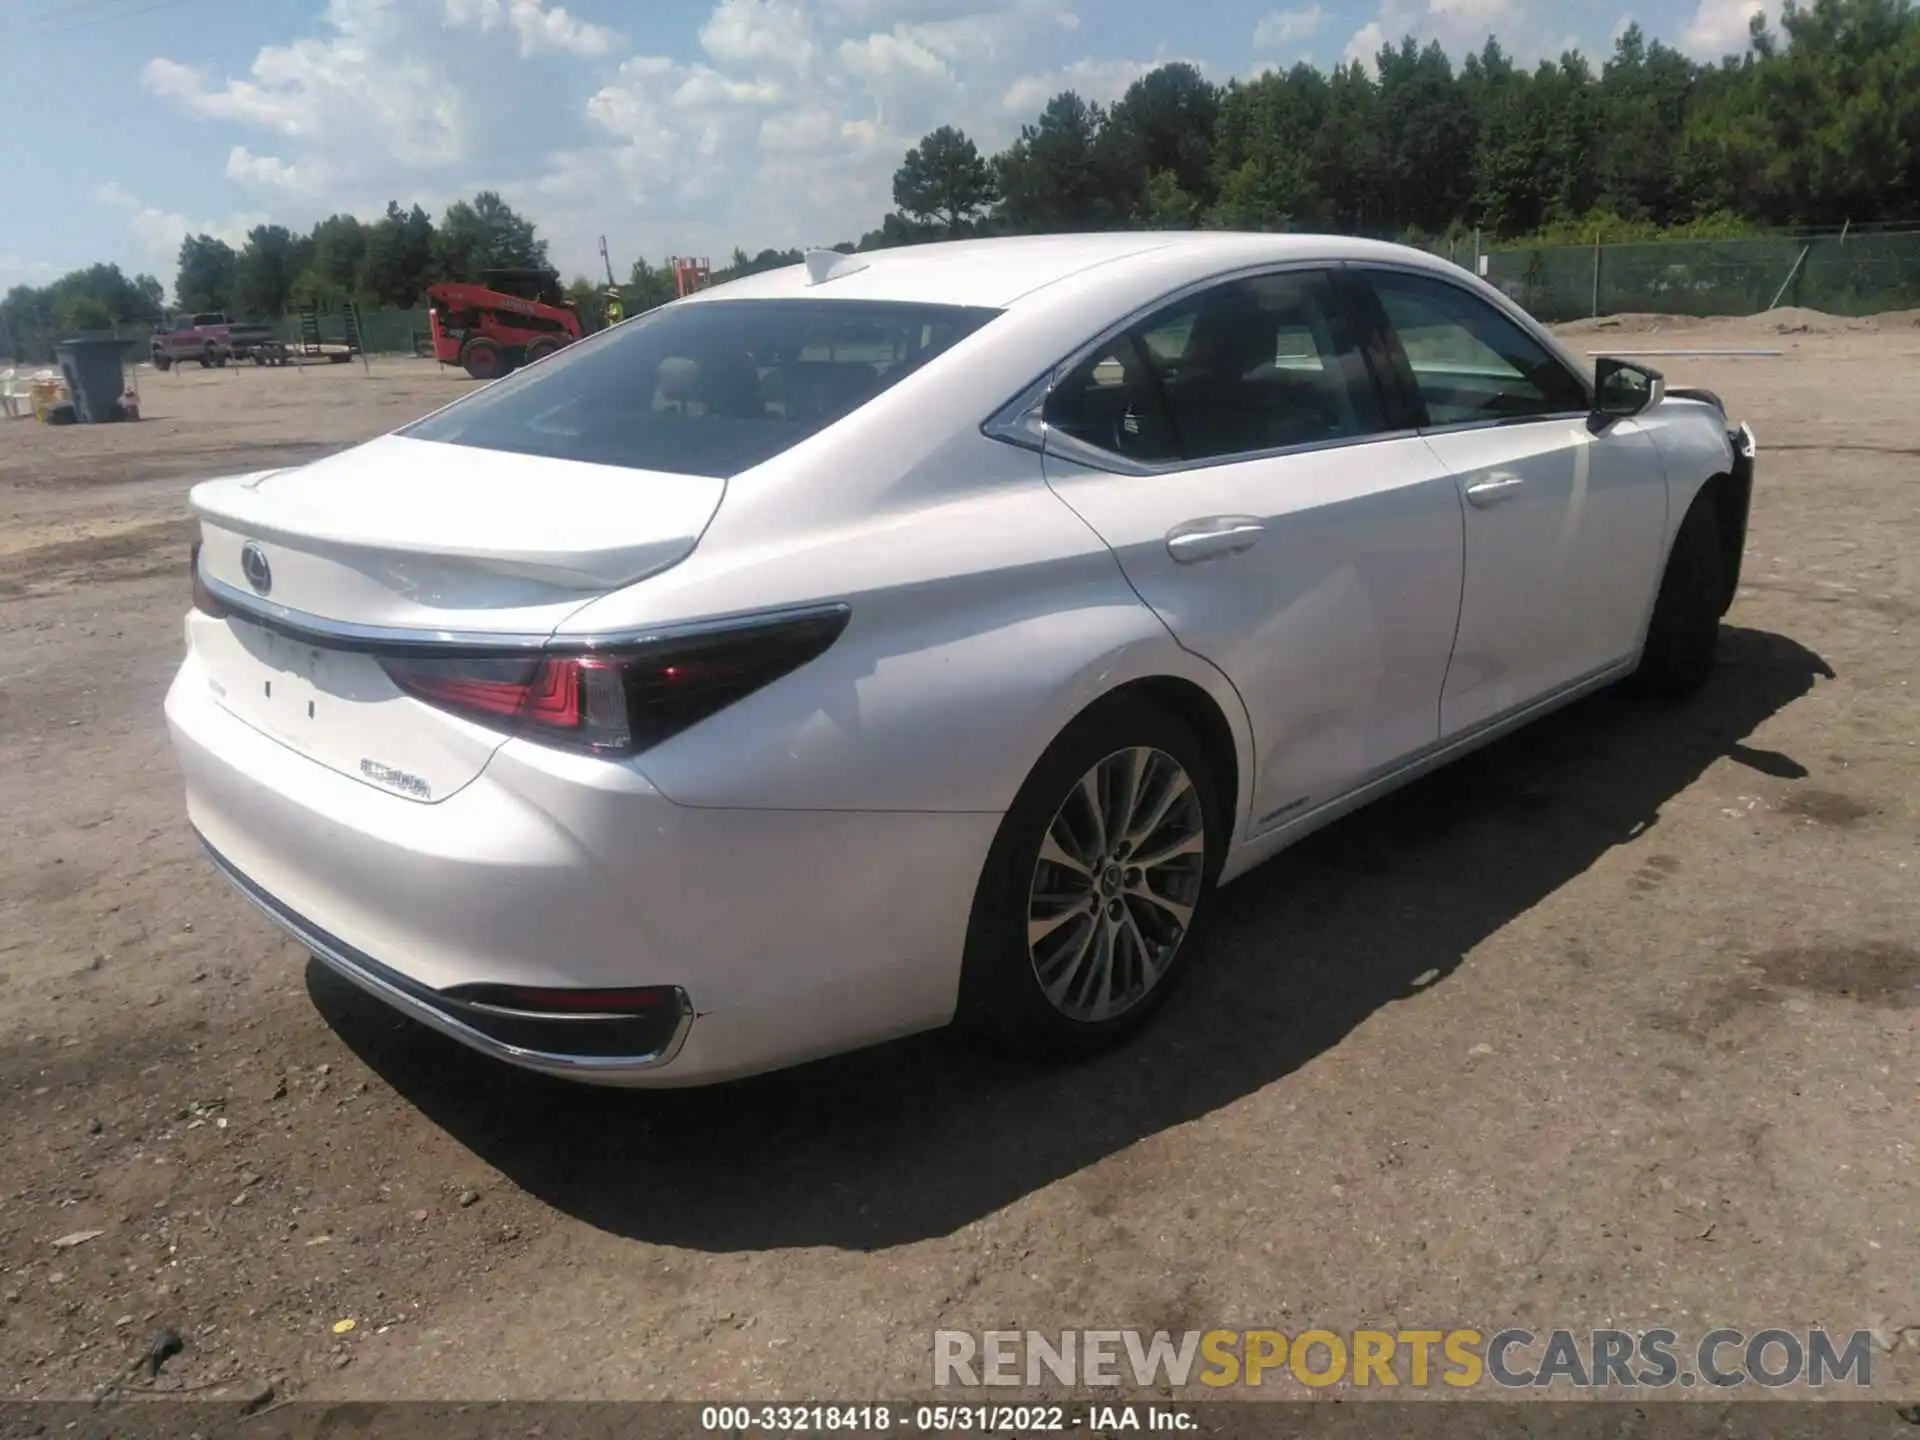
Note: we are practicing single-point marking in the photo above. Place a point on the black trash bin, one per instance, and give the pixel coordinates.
(94, 376)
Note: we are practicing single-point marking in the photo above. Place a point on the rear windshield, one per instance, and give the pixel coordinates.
(712, 388)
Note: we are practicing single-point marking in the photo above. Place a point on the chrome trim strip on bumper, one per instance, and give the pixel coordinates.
(349, 635)
(386, 985)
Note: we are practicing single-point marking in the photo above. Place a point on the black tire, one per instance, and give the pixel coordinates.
(483, 360)
(162, 363)
(1002, 1001)
(540, 349)
(1684, 635)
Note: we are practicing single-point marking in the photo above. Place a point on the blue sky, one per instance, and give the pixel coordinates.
(670, 126)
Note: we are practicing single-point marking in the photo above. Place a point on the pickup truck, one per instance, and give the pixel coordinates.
(212, 339)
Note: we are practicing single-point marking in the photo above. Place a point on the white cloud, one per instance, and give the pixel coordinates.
(1471, 12)
(18, 270)
(783, 127)
(885, 56)
(353, 92)
(1528, 30)
(706, 87)
(788, 128)
(1096, 81)
(874, 13)
(1365, 44)
(770, 32)
(801, 132)
(1719, 27)
(267, 170)
(157, 233)
(394, 98)
(540, 29)
(1279, 29)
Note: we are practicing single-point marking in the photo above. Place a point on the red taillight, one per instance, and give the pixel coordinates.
(204, 600)
(625, 699)
(574, 699)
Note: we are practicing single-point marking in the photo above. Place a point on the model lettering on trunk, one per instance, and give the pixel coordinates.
(393, 779)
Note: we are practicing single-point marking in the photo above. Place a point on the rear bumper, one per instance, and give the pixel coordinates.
(467, 1024)
(790, 934)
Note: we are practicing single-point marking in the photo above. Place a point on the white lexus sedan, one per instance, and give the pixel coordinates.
(919, 637)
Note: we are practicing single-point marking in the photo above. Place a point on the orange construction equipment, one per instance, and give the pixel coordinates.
(690, 275)
(515, 318)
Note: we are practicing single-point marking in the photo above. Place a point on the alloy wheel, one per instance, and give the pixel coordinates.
(1120, 871)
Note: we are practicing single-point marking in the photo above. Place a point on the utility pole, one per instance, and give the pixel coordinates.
(607, 260)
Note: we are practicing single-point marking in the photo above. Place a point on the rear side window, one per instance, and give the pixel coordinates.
(712, 388)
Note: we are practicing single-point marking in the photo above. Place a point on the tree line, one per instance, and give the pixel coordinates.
(1814, 125)
(388, 262)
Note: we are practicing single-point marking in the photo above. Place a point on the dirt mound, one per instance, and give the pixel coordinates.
(1634, 322)
(1787, 320)
(1797, 320)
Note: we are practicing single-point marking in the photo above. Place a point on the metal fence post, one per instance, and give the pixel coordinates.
(1801, 260)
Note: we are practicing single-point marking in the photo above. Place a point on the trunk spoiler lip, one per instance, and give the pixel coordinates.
(235, 502)
(589, 572)
(414, 640)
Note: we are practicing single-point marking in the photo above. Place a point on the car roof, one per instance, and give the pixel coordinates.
(1002, 271)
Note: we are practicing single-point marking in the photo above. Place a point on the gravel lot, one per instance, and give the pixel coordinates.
(1613, 1024)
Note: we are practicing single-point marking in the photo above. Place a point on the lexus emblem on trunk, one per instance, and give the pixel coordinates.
(253, 564)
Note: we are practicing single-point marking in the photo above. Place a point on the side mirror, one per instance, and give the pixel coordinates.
(1622, 389)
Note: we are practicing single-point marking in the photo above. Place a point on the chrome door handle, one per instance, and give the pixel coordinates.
(1221, 535)
(1491, 492)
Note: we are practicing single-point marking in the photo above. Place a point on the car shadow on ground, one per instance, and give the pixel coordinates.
(915, 1139)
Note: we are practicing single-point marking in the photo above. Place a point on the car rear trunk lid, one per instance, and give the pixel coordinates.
(400, 544)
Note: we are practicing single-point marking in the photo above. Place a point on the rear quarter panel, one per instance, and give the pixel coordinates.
(982, 623)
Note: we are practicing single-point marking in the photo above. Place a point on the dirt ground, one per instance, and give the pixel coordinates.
(1612, 1024)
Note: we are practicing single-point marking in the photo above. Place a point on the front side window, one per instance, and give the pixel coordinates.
(1246, 367)
(711, 388)
(1470, 363)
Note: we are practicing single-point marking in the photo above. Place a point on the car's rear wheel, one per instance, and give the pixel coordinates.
(1094, 886)
(1684, 634)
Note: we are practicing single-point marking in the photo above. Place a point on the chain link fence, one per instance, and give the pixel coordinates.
(383, 332)
(1857, 274)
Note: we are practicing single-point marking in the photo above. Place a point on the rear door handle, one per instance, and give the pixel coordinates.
(1219, 535)
(1483, 493)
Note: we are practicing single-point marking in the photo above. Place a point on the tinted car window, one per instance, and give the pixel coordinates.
(1245, 367)
(1112, 401)
(712, 388)
(1469, 362)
